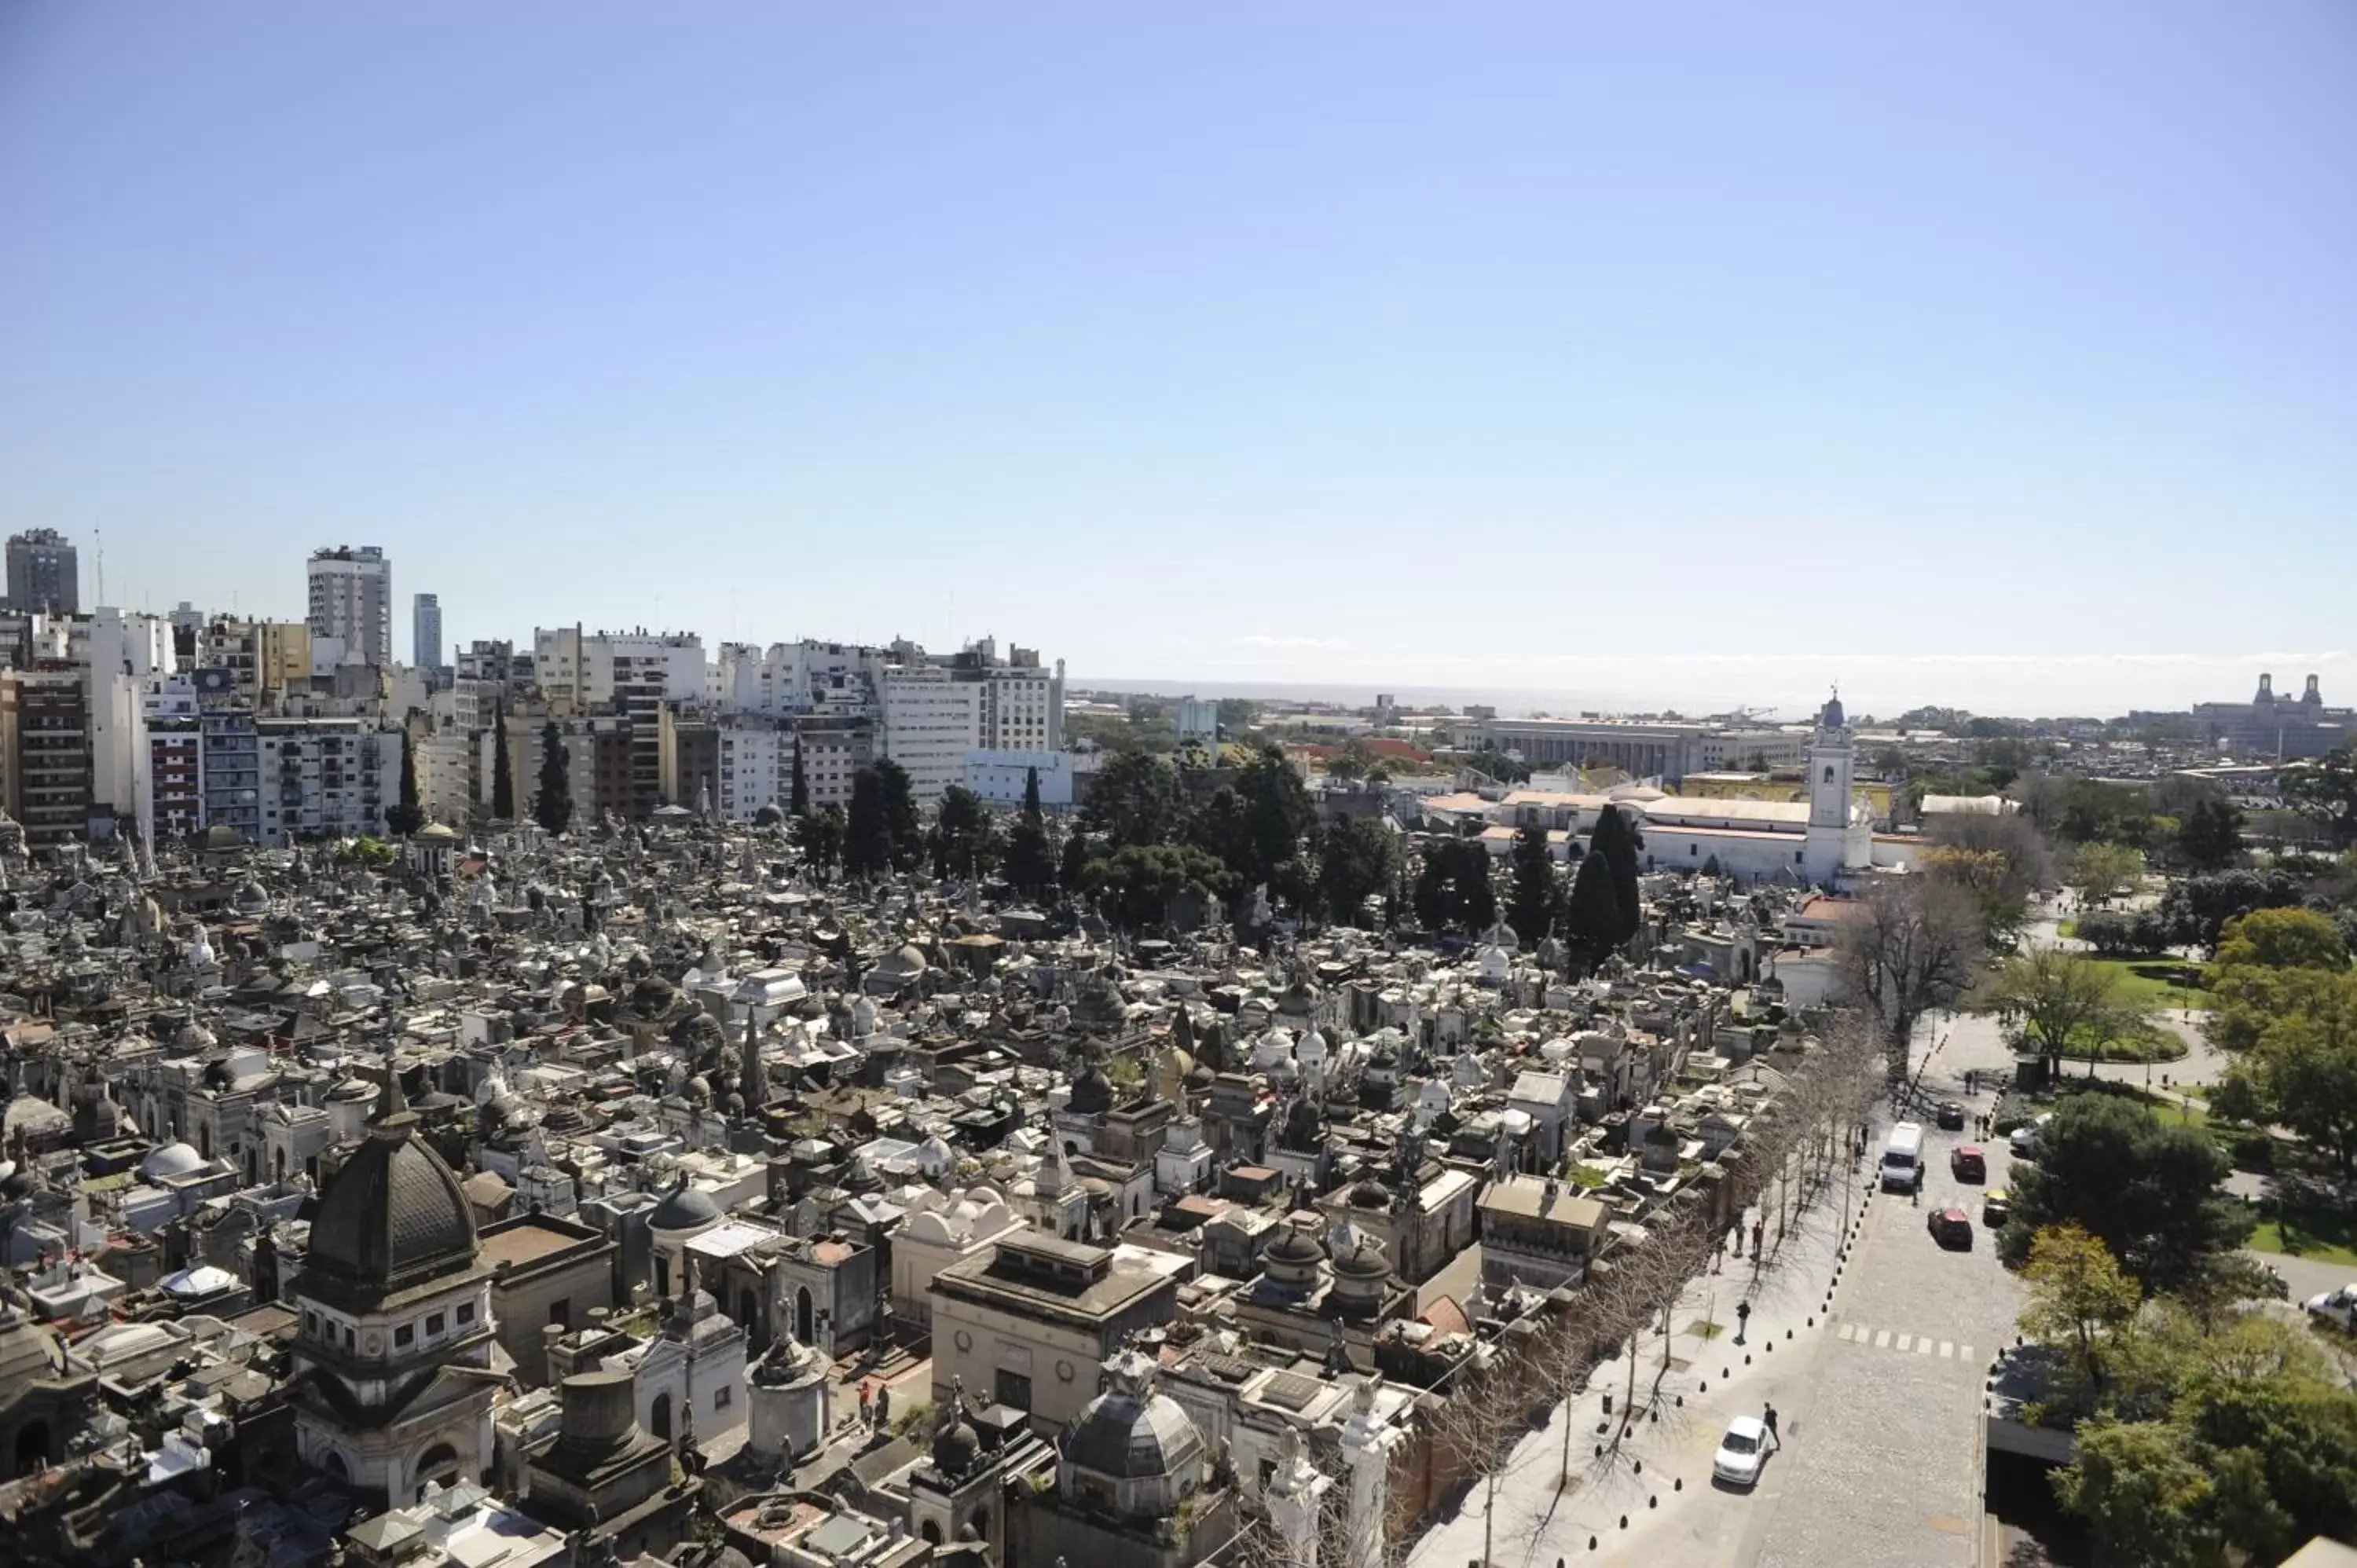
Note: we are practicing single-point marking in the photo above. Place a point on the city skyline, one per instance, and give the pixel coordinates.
(1188, 347)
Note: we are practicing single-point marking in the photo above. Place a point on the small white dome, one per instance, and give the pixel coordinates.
(171, 1160)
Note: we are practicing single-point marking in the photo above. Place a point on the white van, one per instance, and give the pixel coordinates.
(1902, 1158)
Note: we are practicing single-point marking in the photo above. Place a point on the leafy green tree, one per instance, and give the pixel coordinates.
(2195, 909)
(1220, 828)
(1135, 800)
(903, 826)
(2064, 1000)
(2149, 1189)
(1030, 864)
(1489, 759)
(406, 816)
(798, 796)
(552, 807)
(2144, 1499)
(1074, 859)
(1591, 913)
(1360, 858)
(2282, 939)
(966, 840)
(2295, 1032)
(502, 770)
(1139, 886)
(2095, 869)
(1615, 842)
(867, 831)
(1531, 895)
(1237, 715)
(2325, 792)
(1452, 887)
(1276, 810)
(2078, 1296)
(2209, 835)
(821, 835)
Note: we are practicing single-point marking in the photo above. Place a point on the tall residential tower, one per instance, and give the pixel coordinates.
(351, 599)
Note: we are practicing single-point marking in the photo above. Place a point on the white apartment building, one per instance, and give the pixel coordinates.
(446, 759)
(592, 670)
(930, 723)
(1022, 709)
(325, 777)
(351, 599)
(1000, 777)
(757, 763)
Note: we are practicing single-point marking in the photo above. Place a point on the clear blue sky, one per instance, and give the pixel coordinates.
(2001, 354)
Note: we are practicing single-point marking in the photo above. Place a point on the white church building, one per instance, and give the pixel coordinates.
(1819, 841)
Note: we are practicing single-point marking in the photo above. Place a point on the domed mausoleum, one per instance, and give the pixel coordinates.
(393, 1382)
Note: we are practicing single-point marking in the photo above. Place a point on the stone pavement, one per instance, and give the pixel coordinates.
(1878, 1397)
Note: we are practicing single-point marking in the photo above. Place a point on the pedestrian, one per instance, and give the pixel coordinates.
(1758, 1228)
(883, 1406)
(868, 1405)
(1742, 1319)
(1771, 1419)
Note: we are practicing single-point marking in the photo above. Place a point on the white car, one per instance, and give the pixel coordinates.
(2338, 1307)
(2025, 1139)
(1741, 1451)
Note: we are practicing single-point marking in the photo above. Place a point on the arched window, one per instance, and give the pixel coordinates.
(803, 1314)
(660, 1425)
(32, 1448)
(931, 1531)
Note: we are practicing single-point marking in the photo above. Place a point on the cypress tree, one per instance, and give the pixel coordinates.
(799, 802)
(1530, 892)
(502, 770)
(1591, 917)
(406, 817)
(552, 806)
(1031, 793)
(1615, 843)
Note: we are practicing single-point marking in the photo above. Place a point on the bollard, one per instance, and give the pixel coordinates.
(1681, 1401)
(1599, 1451)
(1679, 1485)
(1654, 1501)
(1603, 1426)
(1638, 1468)
(1770, 1347)
(1591, 1543)
(1704, 1387)
(1657, 1418)
(1746, 1360)
(1624, 1522)
(1788, 1333)
(1812, 1323)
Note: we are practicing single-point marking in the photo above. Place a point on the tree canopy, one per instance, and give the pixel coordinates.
(406, 816)
(2063, 999)
(867, 832)
(552, 805)
(1615, 842)
(1359, 858)
(502, 768)
(2325, 792)
(1531, 895)
(2150, 1190)
(1138, 886)
(1135, 800)
(1452, 887)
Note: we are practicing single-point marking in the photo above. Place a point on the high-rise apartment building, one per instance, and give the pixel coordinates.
(426, 631)
(44, 572)
(351, 600)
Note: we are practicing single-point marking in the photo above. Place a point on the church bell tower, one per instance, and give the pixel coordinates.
(1832, 760)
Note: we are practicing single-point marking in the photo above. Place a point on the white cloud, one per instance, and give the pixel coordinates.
(1261, 640)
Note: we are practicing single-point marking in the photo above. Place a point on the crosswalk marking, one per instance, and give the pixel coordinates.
(1906, 1344)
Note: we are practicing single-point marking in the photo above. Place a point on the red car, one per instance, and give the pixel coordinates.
(1952, 1228)
(1966, 1163)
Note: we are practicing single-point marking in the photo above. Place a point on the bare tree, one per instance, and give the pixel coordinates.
(1911, 947)
(1475, 1429)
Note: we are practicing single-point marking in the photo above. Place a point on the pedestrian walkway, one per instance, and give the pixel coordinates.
(1904, 1343)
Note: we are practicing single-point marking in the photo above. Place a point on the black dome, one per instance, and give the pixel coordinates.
(684, 1209)
(392, 1216)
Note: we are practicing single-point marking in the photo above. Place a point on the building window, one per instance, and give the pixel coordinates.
(560, 1313)
(1797, 855)
(465, 1312)
(720, 1398)
(435, 1323)
(1014, 1390)
(404, 1334)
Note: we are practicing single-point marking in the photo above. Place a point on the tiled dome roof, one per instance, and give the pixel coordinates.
(393, 1215)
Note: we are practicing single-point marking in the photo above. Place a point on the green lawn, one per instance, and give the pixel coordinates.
(2145, 981)
(2146, 1041)
(2320, 1235)
(2068, 930)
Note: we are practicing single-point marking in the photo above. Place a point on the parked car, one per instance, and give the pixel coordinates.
(1741, 1451)
(1997, 1207)
(2027, 1137)
(1966, 1163)
(1952, 1228)
(1951, 1115)
(2337, 1307)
